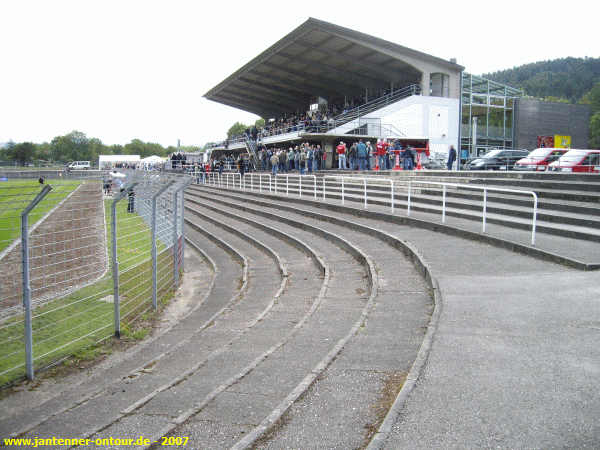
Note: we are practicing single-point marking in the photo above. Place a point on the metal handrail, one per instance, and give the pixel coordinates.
(485, 189)
(365, 180)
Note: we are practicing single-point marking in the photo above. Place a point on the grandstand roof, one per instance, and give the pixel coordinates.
(320, 59)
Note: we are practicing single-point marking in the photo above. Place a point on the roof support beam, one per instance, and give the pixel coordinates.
(259, 110)
(388, 74)
(328, 82)
(291, 90)
(266, 89)
(258, 100)
(360, 80)
(309, 87)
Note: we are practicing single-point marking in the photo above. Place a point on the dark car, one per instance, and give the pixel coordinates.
(496, 160)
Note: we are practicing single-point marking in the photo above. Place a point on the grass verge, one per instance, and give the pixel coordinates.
(74, 325)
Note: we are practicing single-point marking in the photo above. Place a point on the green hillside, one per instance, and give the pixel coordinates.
(573, 80)
(564, 78)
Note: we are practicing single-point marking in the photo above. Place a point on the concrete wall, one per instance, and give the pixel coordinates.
(535, 118)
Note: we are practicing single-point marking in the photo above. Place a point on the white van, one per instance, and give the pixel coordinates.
(79, 165)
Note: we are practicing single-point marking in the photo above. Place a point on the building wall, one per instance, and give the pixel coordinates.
(435, 118)
(535, 118)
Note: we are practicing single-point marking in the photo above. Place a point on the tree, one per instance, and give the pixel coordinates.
(22, 152)
(595, 131)
(236, 128)
(260, 123)
(592, 98)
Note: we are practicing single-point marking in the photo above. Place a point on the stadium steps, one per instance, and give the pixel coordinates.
(571, 244)
(127, 376)
(286, 377)
(567, 220)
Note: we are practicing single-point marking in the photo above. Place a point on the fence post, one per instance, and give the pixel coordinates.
(154, 257)
(28, 331)
(342, 190)
(300, 185)
(115, 261)
(176, 249)
(365, 181)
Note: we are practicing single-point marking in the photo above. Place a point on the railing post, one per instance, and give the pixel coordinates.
(287, 185)
(444, 203)
(408, 202)
(300, 186)
(342, 190)
(484, 209)
(324, 188)
(154, 256)
(315, 178)
(533, 223)
(252, 182)
(392, 194)
(28, 330)
(365, 181)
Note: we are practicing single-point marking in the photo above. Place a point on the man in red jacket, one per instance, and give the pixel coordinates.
(341, 151)
(381, 151)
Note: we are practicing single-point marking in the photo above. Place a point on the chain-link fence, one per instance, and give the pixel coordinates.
(58, 244)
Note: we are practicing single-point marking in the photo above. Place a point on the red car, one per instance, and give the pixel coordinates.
(539, 159)
(578, 161)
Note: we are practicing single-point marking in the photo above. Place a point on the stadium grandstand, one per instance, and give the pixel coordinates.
(323, 83)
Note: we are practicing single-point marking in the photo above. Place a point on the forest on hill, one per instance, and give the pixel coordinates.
(570, 80)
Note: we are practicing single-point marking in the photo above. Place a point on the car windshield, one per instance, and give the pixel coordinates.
(572, 156)
(492, 154)
(539, 153)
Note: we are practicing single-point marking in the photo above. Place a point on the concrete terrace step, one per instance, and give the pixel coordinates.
(574, 225)
(563, 249)
(507, 326)
(378, 355)
(117, 375)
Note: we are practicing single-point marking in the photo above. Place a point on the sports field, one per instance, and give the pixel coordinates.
(69, 324)
(14, 198)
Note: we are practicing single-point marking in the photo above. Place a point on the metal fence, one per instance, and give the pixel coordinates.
(81, 259)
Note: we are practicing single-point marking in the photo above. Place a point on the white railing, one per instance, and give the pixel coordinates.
(485, 190)
(345, 180)
(251, 176)
(364, 180)
(299, 179)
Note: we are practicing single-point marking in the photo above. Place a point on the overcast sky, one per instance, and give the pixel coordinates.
(119, 70)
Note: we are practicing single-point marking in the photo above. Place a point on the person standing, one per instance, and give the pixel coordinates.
(309, 159)
(352, 155)
(381, 154)
(302, 158)
(369, 153)
(274, 163)
(451, 157)
(341, 152)
(407, 158)
(361, 151)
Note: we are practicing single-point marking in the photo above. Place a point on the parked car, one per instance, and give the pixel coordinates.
(578, 161)
(79, 165)
(496, 160)
(539, 159)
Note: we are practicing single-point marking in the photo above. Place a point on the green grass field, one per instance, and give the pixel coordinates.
(14, 198)
(70, 324)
